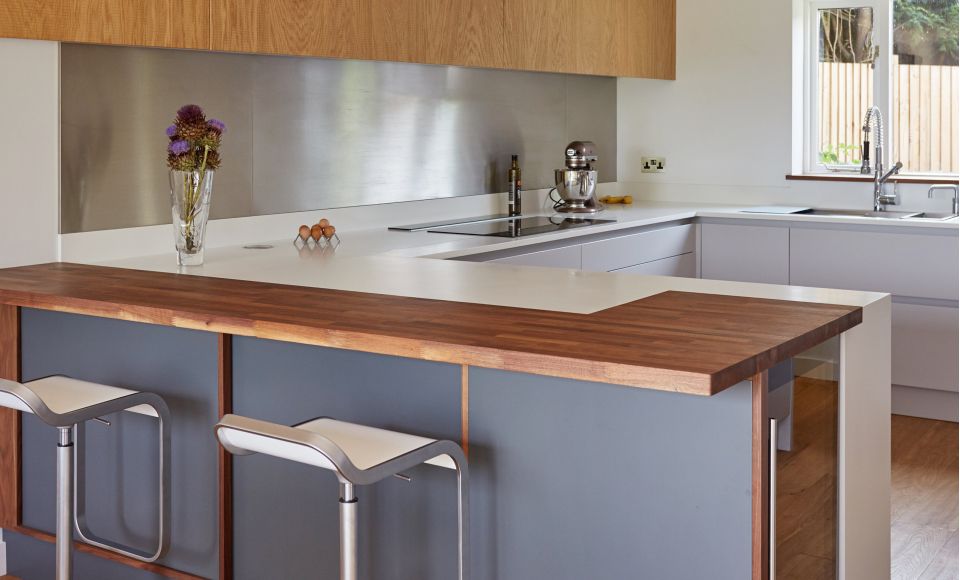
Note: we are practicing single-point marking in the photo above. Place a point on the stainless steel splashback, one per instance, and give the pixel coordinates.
(308, 134)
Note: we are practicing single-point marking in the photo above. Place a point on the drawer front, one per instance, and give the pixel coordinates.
(923, 266)
(745, 253)
(568, 257)
(684, 266)
(925, 345)
(634, 249)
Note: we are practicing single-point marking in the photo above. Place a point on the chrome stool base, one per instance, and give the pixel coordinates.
(67, 404)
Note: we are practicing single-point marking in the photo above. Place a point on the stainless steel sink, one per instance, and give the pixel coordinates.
(890, 215)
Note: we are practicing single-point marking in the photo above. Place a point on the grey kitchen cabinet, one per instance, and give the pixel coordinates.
(745, 253)
(639, 248)
(920, 269)
(903, 264)
(925, 346)
(683, 266)
(665, 250)
(566, 257)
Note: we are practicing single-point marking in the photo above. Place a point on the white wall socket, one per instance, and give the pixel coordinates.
(653, 164)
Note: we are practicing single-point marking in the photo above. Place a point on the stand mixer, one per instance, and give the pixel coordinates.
(576, 184)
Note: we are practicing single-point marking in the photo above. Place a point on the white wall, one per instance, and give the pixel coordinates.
(29, 151)
(725, 124)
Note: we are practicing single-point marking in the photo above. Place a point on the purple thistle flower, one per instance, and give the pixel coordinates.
(188, 113)
(217, 126)
(179, 147)
(172, 131)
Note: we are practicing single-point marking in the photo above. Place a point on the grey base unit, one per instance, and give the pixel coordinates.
(668, 250)
(745, 253)
(918, 267)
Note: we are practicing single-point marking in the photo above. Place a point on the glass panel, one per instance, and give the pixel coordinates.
(844, 84)
(925, 85)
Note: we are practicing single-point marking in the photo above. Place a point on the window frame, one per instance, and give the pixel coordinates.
(806, 46)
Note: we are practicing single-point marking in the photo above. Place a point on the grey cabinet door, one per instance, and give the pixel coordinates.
(925, 346)
(908, 264)
(633, 249)
(568, 257)
(684, 266)
(745, 253)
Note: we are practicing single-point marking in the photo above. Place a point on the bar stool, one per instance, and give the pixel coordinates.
(66, 404)
(359, 455)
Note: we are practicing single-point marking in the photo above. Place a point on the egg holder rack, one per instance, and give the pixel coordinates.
(310, 242)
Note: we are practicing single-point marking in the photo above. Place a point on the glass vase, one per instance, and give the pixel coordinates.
(190, 193)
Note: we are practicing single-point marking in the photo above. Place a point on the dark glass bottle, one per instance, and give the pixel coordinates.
(513, 199)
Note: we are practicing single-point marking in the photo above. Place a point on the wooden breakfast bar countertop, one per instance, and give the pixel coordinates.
(675, 341)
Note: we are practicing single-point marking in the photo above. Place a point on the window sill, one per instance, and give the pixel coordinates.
(844, 177)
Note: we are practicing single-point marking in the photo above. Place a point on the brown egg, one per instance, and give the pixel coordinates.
(323, 223)
(304, 232)
(316, 232)
(329, 231)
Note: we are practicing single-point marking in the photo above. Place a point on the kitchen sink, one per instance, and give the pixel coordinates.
(889, 215)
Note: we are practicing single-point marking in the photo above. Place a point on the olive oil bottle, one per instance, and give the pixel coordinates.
(513, 200)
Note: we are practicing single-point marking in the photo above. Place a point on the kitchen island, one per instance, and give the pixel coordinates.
(619, 432)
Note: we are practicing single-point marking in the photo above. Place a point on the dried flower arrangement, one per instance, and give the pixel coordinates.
(193, 156)
(194, 141)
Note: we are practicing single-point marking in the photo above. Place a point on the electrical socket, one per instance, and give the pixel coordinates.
(653, 164)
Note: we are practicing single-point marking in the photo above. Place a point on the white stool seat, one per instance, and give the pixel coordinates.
(67, 404)
(358, 455)
(365, 446)
(64, 395)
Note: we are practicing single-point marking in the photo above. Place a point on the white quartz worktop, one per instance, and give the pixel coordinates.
(397, 263)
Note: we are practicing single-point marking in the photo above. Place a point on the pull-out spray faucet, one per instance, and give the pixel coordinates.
(880, 199)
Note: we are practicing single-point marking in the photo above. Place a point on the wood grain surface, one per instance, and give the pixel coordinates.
(632, 38)
(674, 341)
(164, 23)
(807, 486)
(924, 537)
(225, 458)
(760, 478)
(462, 32)
(10, 455)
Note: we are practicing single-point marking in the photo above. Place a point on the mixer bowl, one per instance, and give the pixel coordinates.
(575, 185)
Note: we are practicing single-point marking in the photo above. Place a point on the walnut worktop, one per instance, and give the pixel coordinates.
(675, 341)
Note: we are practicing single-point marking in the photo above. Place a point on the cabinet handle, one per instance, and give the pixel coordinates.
(772, 506)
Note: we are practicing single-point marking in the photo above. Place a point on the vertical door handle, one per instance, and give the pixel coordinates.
(772, 506)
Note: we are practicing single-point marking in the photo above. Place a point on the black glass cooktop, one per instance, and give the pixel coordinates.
(521, 227)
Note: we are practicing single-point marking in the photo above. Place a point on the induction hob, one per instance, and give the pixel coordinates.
(521, 227)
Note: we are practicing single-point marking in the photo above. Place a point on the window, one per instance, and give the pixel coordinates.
(924, 83)
(900, 55)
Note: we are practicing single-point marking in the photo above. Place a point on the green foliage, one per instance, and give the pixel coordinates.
(841, 154)
(927, 28)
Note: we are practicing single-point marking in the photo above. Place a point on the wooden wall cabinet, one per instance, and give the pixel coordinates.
(162, 23)
(599, 37)
(631, 38)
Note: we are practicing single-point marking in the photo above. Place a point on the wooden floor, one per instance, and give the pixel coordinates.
(807, 486)
(924, 501)
(924, 498)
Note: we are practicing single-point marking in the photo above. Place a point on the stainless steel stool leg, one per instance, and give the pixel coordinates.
(65, 503)
(348, 532)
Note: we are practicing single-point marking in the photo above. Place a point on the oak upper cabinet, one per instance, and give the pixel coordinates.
(166, 23)
(457, 32)
(327, 28)
(633, 38)
(630, 38)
